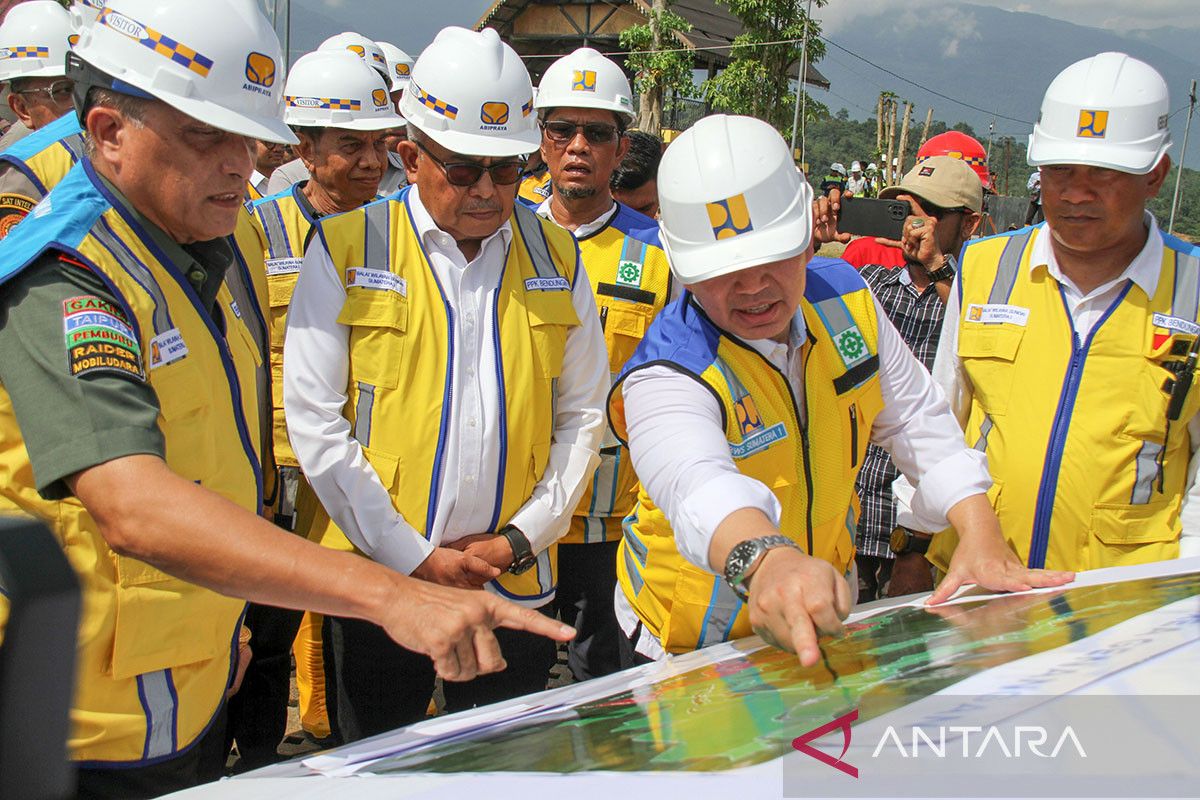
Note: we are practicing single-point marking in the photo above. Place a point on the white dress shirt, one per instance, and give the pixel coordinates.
(259, 182)
(1086, 310)
(315, 375)
(698, 485)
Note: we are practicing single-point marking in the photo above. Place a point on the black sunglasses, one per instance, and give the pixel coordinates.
(59, 91)
(560, 130)
(467, 173)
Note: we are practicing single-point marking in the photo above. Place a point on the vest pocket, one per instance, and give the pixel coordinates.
(988, 353)
(1132, 534)
(624, 326)
(377, 321)
(551, 316)
(184, 406)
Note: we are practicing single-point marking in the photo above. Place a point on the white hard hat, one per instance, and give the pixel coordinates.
(34, 41)
(362, 47)
(838, 168)
(586, 79)
(400, 64)
(730, 198)
(471, 94)
(1109, 111)
(333, 89)
(218, 61)
(856, 167)
(84, 13)
(872, 166)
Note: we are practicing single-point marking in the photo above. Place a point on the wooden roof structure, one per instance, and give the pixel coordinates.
(539, 29)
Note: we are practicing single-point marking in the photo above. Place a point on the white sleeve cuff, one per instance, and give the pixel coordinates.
(706, 508)
(949, 481)
(402, 549)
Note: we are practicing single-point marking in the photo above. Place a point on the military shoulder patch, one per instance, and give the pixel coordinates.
(99, 338)
(13, 209)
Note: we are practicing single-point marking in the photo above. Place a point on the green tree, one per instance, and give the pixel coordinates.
(658, 74)
(756, 83)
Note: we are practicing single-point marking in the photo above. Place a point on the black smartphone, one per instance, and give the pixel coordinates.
(866, 216)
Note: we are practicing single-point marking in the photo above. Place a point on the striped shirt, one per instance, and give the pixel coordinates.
(917, 315)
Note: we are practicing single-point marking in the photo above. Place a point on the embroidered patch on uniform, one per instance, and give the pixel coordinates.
(629, 273)
(851, 346)
(99, 338)
(237, 311)
(558, 283)
(1176, 324)
(758, 441)
(13, 209)
(167, 348)
(378, 279)
(283, 266)
(543, 189)
(996, 313)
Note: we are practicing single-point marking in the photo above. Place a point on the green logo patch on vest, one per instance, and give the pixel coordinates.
(629, 273)
(851, 346)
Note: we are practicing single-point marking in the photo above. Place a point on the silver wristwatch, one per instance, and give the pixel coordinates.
(744, 558)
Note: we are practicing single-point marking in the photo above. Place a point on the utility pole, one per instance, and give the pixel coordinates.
(903, 141)
(928, 122)
(1182, 155)
(879, 124)
(801, 97)
(287, 36)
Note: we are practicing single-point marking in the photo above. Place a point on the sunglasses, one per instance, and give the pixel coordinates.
(59, 91)
(467, 173)
(561, 131)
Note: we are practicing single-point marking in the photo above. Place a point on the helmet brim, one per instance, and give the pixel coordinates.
(778, 243)
(268, 129)
(1046, 152)
(466, 144)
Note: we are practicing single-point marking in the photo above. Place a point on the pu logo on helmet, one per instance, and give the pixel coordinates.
(380, 97)
(357, 49)
(260, 70)
(729, 217)
(584, 81)
(73, 39)
(494, 113)
(1093, 124)
(402, 70)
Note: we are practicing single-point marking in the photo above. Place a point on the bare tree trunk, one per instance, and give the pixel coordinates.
(903, 141)
(928, 122)
(888, 170)
(879, 124)
(650, 104)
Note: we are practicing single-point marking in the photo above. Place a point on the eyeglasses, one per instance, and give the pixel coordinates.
(59, 91)
(939, 213)
(467, 173)
(559, 130)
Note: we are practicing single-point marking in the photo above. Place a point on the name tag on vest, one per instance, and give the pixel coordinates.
(283, 266)
(378, 279)
(167, 348)
(1176, 324)
(996, 313)
(558, 284)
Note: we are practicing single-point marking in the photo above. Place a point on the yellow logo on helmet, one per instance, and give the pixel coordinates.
(380, 97)
(260, 70)
(402, 70)
(73, 39)
(357, 49)
(584, 81)
(1092, 124)
(494, 113)
(729, 217)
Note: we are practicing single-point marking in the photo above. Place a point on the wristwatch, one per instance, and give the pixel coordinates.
(905, 541)
(947, 271)
(523, 556)
(744, 558)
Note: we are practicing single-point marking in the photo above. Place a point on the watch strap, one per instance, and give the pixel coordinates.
(745, 557)
(523, 556)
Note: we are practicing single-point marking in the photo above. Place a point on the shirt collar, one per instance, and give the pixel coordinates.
(1144, 270)
(588, 228)
(434, 238)
(258, 180)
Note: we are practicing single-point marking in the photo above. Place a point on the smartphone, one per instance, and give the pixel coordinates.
(866, 216)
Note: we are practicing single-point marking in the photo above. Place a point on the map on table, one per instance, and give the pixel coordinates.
(748, 706)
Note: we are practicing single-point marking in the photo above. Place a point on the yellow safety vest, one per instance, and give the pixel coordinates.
(631, 280)
(535, 189)
(1074, 430)
(156, 653)
(48, 154)
(287, 226)
(810, 467)
(401, 344)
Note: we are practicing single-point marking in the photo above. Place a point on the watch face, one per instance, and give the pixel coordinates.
(899, 541)
(740, 558)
